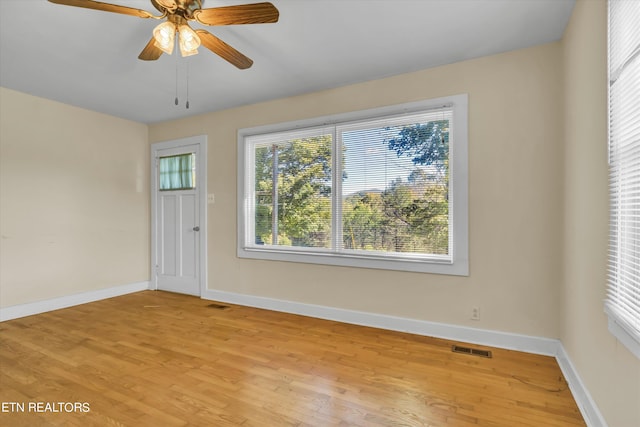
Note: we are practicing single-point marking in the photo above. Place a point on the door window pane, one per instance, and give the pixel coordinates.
(178, 172)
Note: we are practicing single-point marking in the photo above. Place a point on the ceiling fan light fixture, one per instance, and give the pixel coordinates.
(189, 40)
(177, 14)
(165, 36)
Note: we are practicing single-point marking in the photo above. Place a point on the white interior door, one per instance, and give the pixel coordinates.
(179, 216)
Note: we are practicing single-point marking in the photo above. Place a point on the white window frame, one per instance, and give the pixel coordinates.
(455, 264)
(622, 305)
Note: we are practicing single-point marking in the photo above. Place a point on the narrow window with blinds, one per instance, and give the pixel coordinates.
(623, 292)
(177, 172)
(379, 189)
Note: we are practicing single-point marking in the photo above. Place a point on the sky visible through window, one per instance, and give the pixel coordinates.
(370, 164)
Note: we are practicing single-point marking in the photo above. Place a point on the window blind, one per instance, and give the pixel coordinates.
(292, 189)
(395, 185)
(623, 292)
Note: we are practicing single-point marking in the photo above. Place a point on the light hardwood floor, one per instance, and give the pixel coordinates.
(162, 359)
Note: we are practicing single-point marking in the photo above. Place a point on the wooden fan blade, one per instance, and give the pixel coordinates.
(222, 49)
(257, 13)
(107, 7)
(150, 51)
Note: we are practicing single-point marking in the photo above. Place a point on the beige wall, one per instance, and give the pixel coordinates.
(515, 152)
(610, 372)
(74, 192)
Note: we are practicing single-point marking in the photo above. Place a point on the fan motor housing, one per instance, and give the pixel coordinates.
(182, 7)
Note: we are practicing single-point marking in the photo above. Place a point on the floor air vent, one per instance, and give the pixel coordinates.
(471, 351)
(218, 306)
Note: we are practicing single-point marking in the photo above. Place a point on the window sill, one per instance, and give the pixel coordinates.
(619, 330)
(457, 268)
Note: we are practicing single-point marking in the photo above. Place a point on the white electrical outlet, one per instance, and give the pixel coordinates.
(475, 313)
(211, 198)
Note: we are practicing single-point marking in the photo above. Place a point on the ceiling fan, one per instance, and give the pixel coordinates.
(178, 13)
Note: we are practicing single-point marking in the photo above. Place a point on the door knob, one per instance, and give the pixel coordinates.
(196, 228)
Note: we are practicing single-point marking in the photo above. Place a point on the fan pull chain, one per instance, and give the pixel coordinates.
(187, 73)
(176, 81)
(188, 83)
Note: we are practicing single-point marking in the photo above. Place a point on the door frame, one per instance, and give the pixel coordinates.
(201, 183)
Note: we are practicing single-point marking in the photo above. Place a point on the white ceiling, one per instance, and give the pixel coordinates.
(88, 58)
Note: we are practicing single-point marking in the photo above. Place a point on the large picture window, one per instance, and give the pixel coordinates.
(383, 188)
(623, 291)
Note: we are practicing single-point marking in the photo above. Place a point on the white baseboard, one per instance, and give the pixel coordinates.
(585, 402)
(506, 340)
(29, 309)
